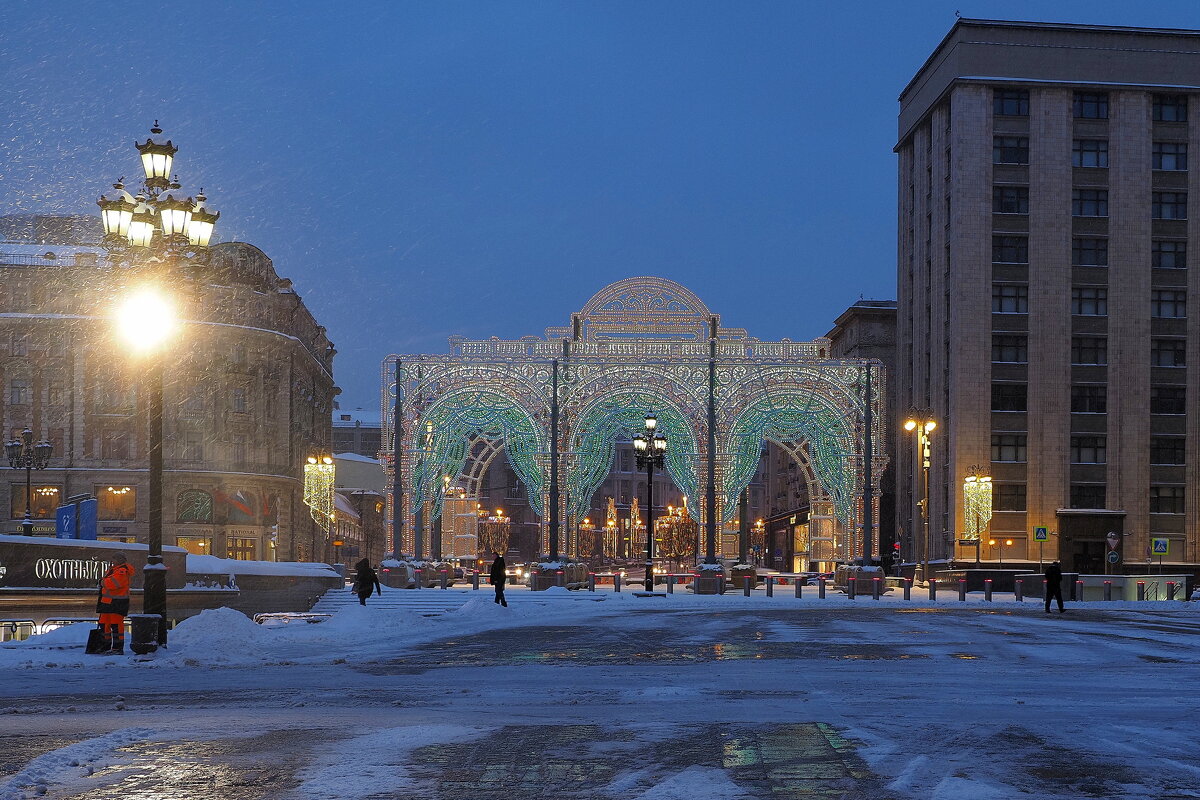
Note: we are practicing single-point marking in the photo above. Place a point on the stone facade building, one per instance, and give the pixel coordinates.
(1048, 315)
(248, 390)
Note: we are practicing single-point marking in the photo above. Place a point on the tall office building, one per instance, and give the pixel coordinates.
(1047, 313)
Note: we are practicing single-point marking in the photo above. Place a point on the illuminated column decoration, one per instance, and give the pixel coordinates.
(318, 490)
(977, 503)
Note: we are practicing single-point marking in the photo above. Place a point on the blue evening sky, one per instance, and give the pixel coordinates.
(482, 168)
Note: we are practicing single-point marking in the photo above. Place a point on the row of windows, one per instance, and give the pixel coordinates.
(1089, 203)
(1088, 350)
(1164, 156)
(1088, 449)
(1090, 251)
(20, 392)
(1088, 398)
(1088, 301)
(1163, 499)
(1089, 105)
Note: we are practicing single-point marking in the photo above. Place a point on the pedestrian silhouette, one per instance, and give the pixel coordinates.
(497, 577)
(1054, 586)
(365, 580)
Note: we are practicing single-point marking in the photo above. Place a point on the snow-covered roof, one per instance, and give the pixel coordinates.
(355, 457)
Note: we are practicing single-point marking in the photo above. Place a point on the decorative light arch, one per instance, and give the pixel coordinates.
(640, 344)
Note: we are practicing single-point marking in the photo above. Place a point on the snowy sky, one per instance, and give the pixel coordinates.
(479, 168)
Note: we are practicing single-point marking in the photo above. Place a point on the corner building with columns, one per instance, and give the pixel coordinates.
(1047, 307)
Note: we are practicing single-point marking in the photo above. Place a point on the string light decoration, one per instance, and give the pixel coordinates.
(318, 489)
(977, 503)
(610, 529)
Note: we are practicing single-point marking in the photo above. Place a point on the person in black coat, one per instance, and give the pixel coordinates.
(365, 579)
(1054, 586)
(497, 577)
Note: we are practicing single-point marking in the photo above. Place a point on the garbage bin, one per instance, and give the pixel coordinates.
(143, 633)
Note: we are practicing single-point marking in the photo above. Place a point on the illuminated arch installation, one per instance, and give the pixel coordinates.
(558, 404)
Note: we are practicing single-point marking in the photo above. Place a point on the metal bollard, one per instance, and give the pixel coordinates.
(1107, 590)
(420, 573)
(445, 579)
(746, 585)
(875, 587)
(1079, 591)
(670, 584)
(908, 588)
(475, 580)
(591, 581)
(821, 588)
(558, 579)
(770, 586)
(962, 590)
(617, 582)
(798, 589)
(933, 590)
(987, 589)
(695, 583)
(1170, 590)
(1141, 595)
(1018, 590)
(721, 584)
(852, 588)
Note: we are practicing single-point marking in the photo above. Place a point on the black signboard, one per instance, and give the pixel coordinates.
(44, 563)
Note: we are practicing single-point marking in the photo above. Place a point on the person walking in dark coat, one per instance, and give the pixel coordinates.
(1054, 586)
(497, 577)
(365, 579)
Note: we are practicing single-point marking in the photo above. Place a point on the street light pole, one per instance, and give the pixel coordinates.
(922, 423)
(154, 591)
(24, 453)
(650, 448)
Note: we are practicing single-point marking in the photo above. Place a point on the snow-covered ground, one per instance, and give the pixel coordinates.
(954, 700)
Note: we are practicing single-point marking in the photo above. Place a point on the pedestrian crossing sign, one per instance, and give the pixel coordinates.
(1040, 534)
(1160, 546)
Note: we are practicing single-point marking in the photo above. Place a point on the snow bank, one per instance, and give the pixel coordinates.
(69, 764)
(217, 634)
(211, 565)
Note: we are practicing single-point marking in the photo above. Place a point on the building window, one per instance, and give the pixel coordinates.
(1167, 254)
(1010, 149)
(20, 344)
(1009, 396)
(1089, 450)
(56, 395)
(1170, 156)
(1089, 203)
(1166, 500)
(1091, 105)
(1168, 352)
(1010, 199)
(114, 445)
(1090, 153)
(239, 354)
(1008, 497)
(1089, 301)
(1008, 447)
(1169, 108)
(239, 448)
(1168, 303)
(1167, 450)
(1168, 400)
(1089, 252)
(1168, 205)
(1010, 250)
(116, 502)
(239, 400)
(43, 501)
(193, 403)
(1089, 399)
(193, 447)
(1010, 298)
(1089, 350)
(1087, 495)
(194, 505)
(18, 392)
(1010, 102)
(1009, 349)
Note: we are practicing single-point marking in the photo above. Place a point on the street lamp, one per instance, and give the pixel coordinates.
(977, 506)
(650, 448)
(23, 453)
(1003, 543)
(922, 423)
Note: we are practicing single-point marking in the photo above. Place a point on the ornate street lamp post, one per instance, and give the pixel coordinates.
(922, 423)
(650, 448)
(158, 235)
(23, 453)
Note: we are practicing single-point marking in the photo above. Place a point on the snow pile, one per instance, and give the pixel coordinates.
(67, 636)
(71, 763)
(211, 565)
(218, 634)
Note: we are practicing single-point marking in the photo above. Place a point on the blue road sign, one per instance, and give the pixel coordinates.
(1040, 534)
(1160, 546)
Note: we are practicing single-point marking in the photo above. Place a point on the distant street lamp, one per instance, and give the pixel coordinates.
(1003, 543)
(24, 454)
(921, 422)
(650, 448)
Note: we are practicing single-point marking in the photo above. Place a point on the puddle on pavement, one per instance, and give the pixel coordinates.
(783, 762)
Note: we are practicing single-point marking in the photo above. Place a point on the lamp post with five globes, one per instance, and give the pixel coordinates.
(650, 447)
(23, 453)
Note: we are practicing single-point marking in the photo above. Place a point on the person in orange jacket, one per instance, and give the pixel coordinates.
(113, 604)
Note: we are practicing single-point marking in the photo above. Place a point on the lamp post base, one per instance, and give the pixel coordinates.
(154, 594)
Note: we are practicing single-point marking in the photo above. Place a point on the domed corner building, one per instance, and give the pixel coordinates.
(248, 391)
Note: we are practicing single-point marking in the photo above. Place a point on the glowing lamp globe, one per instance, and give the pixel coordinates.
(146, 319)
(200, 228)
(157, 158)
(141, 226)
(117, 213)
(175, 211)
